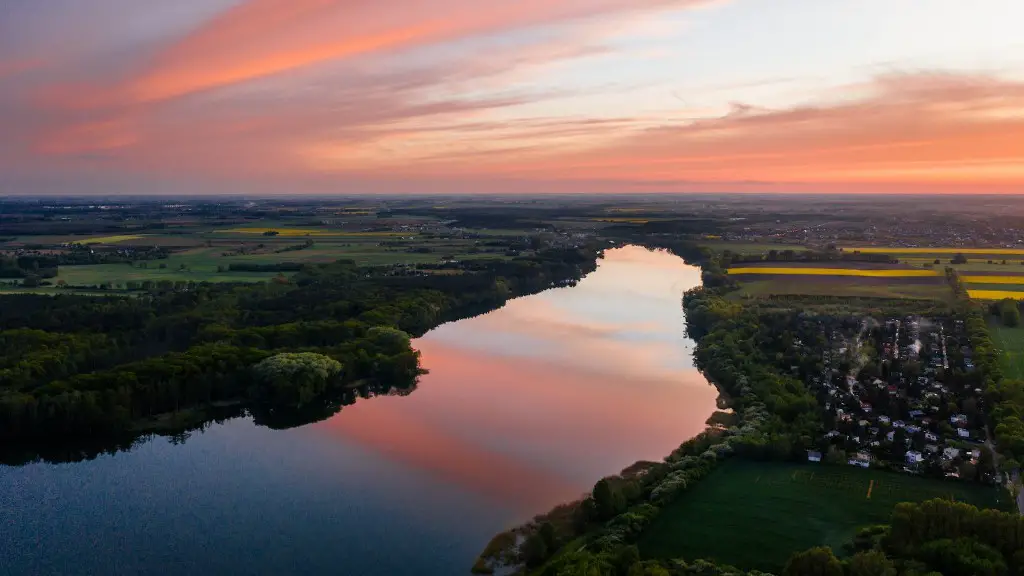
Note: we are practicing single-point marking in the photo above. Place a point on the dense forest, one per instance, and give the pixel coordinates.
(75, 367)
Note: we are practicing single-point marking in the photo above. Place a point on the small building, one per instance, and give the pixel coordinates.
(813, 456)
(931, 437)
(963, 433)
(950, 453)
(914, 457)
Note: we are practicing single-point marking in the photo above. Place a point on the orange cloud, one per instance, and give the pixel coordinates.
(906, 129)
(260, 38)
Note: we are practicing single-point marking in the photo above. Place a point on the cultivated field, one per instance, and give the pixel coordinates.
(754, 515)
(832, 271)
(846, 279)
(895, 250)
(1010, 342)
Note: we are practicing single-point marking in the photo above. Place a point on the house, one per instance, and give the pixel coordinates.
(890, 436)
(958, 419)
(931, 437)
(950, 453)
(913, 429)
(832, 434)
(898, 424)
(813, 456)
(916, 413)
(883, 419)
(931, 448)
(865, 407)
(963, 433)
(863, 423)
(862, 459)
(914, 457)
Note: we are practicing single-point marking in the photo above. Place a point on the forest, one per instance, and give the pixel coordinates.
(76, 367)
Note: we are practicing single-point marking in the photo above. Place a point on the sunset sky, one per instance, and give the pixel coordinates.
(524, 96)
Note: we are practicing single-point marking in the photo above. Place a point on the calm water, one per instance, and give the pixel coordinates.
(523, 408)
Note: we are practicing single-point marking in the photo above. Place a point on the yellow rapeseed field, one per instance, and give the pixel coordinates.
(898, 250)
(995, 294)
(807, 271)
(993, 279)
(109, 239)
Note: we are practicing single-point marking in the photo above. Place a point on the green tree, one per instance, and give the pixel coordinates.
(870, 563)
(607, 499)
(296, 378)
(814, 562)
(1009, 312)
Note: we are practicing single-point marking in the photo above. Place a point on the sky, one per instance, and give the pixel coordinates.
(530, 96)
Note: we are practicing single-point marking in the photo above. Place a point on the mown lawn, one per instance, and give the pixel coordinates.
(753, 515)
(1010, 342)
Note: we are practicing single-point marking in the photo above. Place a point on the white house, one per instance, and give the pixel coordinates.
(914, 457)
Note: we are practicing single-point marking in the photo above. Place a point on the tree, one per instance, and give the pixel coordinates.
(607, 499)
(814, 562)
(1009, 312)
(294, 379)
(870, 563)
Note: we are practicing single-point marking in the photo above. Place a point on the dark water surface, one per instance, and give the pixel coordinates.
(523, 408)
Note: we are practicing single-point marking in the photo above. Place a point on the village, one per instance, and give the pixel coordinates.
(902, 394)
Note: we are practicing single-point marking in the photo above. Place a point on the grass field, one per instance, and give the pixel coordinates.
(844, 287)
(982, 294)
(754, 515)
(824, 271)
(1010, 342)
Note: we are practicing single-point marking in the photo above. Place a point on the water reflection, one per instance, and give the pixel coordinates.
(528, 405)
(523, 407)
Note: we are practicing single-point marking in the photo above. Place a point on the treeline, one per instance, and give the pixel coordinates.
(74, 366)
(28, 265)
(603, 527)
(926, 539)
(1004, 396)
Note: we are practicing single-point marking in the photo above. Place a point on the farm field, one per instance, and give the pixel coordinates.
(832, 271)
(854, 279)
(844, 286)
(1010, 342)
(753, 515)
(896, 250)
(983, 294)
(979, 266)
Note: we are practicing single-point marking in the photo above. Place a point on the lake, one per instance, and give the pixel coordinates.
(523, 408)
